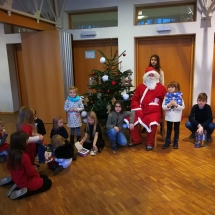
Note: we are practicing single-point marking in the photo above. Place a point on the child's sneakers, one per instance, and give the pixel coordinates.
(18, 193)
(5, 180)
(92, 152)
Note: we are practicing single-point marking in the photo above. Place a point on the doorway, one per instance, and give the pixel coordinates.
(176, 59)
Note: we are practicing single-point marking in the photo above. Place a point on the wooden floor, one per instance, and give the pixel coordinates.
(132, 181)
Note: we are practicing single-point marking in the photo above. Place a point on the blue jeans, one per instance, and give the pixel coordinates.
(116, 137)
(193, 129)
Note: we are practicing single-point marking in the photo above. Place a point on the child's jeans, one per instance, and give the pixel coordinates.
(193, 129)
(119, 137)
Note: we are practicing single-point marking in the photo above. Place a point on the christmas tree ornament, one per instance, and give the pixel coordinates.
(113, 100)
(129, 80)
(104, 78)
(84, 113)
(93, 72)
(113, 83)
(125, 96)
(100, 80)
(123, 81)
(108, 108)
(102, 60)
(124, 54)
(99, 95)
(85, 120)
(91, 102)
(107, 67)
(86, 100)
(91, 80)
(108, 90)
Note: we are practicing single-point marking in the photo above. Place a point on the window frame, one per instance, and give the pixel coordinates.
(163, 6)
(90, 12)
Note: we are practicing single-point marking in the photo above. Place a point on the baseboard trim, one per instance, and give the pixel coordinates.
(9, 113)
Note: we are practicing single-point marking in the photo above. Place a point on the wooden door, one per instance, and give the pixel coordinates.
(83, 67)
(20, 74)
(213, 85)
(176, 59)
(43, 73)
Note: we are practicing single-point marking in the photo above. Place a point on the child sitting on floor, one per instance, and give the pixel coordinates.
(64, 154)
(23, 173)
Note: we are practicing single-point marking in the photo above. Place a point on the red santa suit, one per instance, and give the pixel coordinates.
(147, 104)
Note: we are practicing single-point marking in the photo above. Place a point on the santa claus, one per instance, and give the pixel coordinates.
(147, 105)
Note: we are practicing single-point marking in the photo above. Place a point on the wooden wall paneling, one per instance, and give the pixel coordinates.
(43, 73)
(176, 58)
(83, 67)
(213, 85)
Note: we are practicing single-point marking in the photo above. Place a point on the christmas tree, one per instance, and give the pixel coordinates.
(105, 87)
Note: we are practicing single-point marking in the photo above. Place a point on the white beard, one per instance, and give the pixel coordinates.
(151, 83)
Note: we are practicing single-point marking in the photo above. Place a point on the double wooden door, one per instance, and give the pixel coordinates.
(176, 58)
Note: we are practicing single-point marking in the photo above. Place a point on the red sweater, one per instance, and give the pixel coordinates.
(31, 147)
(26, 176)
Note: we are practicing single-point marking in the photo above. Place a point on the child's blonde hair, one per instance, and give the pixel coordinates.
(55, 122)
(26, 116)
(57, 141)
(93, 116)
(174, 84)
(73, 88)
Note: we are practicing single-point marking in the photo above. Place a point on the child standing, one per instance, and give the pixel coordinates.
(3, 143)
(173, 104)
(73, 106)
(64, 151)
(93, 135)
(155, 63)
(22, 172)
(26, 123)
(58, 128)
(115, 122)
(200, 118)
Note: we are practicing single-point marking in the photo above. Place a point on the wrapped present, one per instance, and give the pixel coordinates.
(81, 150)
(200, 139)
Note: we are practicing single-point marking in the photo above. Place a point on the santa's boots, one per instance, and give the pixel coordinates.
(175, 145)
(167, 143)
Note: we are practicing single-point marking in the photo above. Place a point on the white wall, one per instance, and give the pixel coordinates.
(8, 96)
(126, 32)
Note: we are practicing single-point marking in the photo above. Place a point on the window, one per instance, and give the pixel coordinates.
(98, 19)
(165, 14)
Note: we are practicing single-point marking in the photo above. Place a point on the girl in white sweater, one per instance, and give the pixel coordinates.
(173, 104)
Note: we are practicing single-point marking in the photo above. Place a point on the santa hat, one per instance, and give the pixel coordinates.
(151, 70)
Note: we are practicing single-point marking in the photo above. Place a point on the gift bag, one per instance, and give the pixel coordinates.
(200, 139)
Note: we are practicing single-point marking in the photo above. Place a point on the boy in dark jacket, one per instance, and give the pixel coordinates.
(200, 118)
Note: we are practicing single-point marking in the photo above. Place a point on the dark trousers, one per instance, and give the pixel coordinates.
(89, 146)
(169, 129)
(47, 183)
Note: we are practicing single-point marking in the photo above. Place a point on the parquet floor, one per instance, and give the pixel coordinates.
(132, 181)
